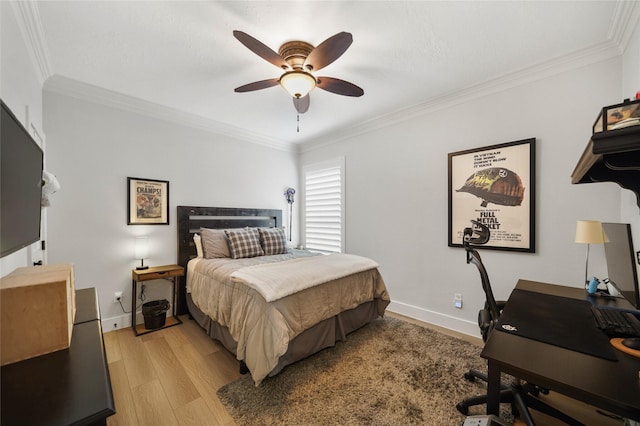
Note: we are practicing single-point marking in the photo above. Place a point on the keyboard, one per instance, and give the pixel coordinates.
(615, 322)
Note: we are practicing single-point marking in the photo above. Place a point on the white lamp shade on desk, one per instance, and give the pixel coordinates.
(589, 232)
(142, 251)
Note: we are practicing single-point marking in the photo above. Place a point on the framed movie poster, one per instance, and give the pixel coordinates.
(494, 185)
(147, 201)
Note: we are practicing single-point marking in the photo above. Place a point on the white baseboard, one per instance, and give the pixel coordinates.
(121, 321)
(116, 323)
(461, 326)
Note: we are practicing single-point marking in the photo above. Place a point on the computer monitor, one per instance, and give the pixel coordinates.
(621, 264)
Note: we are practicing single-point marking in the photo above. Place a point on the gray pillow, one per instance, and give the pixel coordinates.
(214, 243)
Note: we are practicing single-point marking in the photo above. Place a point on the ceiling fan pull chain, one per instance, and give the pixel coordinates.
(298, 122)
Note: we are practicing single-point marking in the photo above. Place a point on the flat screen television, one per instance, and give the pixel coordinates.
(621, 265)
(21, 161)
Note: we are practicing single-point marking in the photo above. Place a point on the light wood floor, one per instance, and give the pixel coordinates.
(168, 377)
(171, 376)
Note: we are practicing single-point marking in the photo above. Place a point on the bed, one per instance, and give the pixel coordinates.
(254, 306)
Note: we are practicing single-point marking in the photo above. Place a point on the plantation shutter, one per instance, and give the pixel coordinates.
(324, 207)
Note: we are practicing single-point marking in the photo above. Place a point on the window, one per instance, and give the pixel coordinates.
(324, 206)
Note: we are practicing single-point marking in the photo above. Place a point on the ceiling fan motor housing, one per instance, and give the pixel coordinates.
(295, 53)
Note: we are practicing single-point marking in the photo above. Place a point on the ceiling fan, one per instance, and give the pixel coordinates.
(299, 59)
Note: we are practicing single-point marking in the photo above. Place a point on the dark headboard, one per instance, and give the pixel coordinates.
(191, 219)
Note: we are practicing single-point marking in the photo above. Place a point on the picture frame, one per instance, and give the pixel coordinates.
(494, 185)
(147, 201)
(619, 116)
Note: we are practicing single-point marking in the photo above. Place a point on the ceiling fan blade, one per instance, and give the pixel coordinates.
(257, 85)
(328, 51)
(340, 87)
(302, 104)
(260, 49)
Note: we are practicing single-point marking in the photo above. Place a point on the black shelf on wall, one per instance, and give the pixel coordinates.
(612, 156)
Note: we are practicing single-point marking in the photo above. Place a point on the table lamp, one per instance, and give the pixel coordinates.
(142, 251)
(589, 232)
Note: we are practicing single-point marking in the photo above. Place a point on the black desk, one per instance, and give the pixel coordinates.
(612, 386)
(67, 387)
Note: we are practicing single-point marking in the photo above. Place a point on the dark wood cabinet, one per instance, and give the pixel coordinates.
(67, 387)
(612, 156)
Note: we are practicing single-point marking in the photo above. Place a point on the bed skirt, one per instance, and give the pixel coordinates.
(322, 335)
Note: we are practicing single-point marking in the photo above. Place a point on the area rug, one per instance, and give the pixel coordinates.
(389, 372)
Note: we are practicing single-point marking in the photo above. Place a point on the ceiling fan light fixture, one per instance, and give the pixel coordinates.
(298, 83)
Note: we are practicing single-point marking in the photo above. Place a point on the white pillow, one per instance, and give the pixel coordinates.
(198, 242)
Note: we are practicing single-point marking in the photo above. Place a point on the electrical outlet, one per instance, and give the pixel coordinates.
(457, 300)
(117, 297)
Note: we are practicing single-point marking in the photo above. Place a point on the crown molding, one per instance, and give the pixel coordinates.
(624, 22)
(87, 92)
(598, 53)
(28, 18)
(626, 19)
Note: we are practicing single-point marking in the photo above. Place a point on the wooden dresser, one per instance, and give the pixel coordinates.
(67, 387)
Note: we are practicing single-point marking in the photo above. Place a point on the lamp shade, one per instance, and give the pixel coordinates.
(142, 248)
(297, 83)
(590, 232)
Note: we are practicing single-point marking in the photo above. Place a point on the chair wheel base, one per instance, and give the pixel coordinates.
(470, 377)
(463, 409)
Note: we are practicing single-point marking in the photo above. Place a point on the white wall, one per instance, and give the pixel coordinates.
(93, 148)
(396, 192)
(20, 89)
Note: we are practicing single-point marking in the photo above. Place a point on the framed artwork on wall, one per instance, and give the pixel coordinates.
(494, 185)
(147, 201)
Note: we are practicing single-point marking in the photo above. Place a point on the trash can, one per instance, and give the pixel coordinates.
(155, 313)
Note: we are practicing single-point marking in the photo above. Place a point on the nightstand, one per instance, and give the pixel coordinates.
(168, 272)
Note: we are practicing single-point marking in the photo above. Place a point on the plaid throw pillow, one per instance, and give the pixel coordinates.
(244, 243)
(273, 240)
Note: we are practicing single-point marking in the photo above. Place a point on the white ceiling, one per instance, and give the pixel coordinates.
(180, 57)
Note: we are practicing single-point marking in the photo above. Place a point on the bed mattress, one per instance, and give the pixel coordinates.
(260, 331)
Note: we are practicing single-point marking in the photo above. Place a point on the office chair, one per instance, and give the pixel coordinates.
(521, 396)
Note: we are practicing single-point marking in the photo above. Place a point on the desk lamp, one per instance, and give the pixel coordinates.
(142, 251)
(589, 232)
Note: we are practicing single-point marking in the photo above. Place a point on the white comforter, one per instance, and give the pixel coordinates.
(264, 329)
(277, 280)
